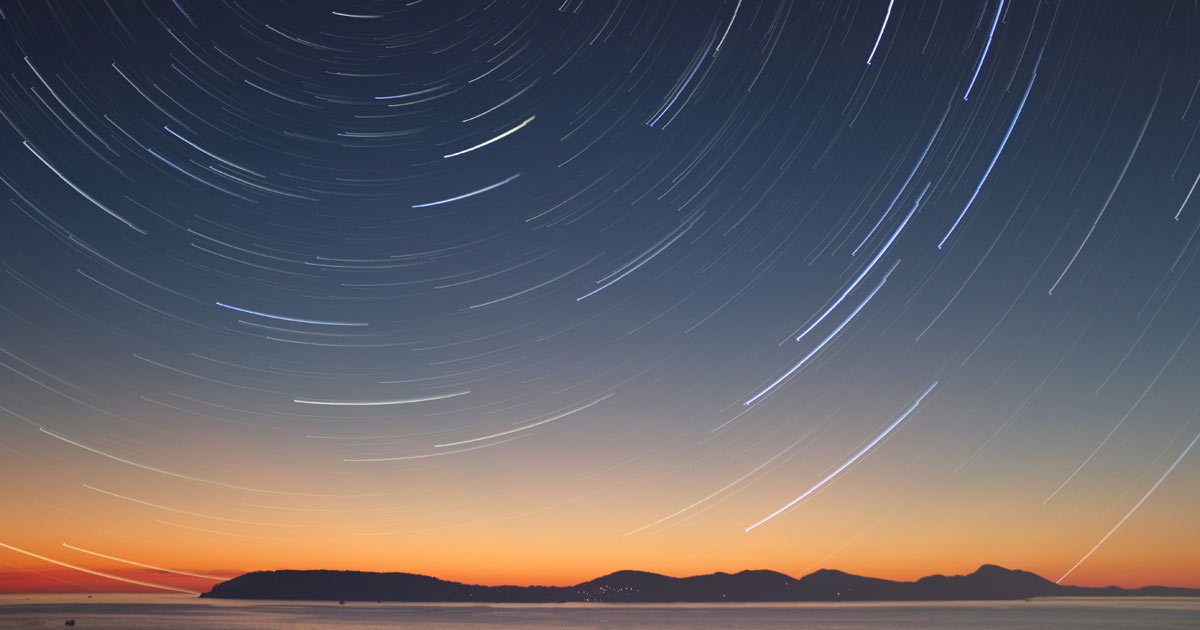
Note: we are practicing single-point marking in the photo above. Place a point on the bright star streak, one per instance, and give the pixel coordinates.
(726, 487)
(882, 28)
(377, 403)
(867, 269)
(467, 195)
(1124, 169)
(1131, 510)
(487, 142)
(637, 266)
(528, 426)
(144, 566)
(81, 191)
(812, 353)
(986, 45)
(180, 475)
(995, 157)
(846, 464)
(916, 167)
(289, 319)
(98, 573)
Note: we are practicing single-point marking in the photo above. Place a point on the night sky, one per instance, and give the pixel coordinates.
(527, 292)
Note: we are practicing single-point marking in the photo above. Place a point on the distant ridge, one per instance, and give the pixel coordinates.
(989, 582)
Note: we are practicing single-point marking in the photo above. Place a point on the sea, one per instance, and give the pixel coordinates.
(135, 612)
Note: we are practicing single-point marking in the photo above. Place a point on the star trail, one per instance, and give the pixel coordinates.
(520, 291)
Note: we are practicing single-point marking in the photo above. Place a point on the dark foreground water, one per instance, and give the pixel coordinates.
(133, 612)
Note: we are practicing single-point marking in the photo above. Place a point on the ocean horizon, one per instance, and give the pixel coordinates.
(144, 611)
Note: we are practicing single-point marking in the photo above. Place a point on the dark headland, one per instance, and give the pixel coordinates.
(989, 582)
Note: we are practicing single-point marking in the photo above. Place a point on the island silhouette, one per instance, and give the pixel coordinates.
(988, 582)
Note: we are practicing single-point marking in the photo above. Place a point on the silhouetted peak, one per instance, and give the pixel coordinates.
(626, 574)
(827, 575)
(994, 572)
(627, 577)
(762, 574)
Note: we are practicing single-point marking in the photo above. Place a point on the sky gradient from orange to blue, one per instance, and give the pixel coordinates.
(525, 293)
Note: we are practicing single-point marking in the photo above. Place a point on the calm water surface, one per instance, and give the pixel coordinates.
(135, 612)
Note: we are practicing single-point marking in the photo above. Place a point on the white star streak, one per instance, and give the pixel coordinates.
(846, 464)
(81, 191)
(1132, 509)
(377, 403)
(181, 475)
(882, 28)
(995, 157)
(466, 195)
(1113, 191)
(812, 353)
(528, 426)
(98, 573)
(986, 46)
(867, 269)
(645, 260)
(726, 487)
(487, 142)
(289, 319)
(144, 566)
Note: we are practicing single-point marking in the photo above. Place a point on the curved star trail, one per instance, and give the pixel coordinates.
(523, 278)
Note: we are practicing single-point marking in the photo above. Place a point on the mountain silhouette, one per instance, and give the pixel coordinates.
(989, 582)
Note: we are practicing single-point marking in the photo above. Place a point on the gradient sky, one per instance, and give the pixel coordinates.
(526, 292)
